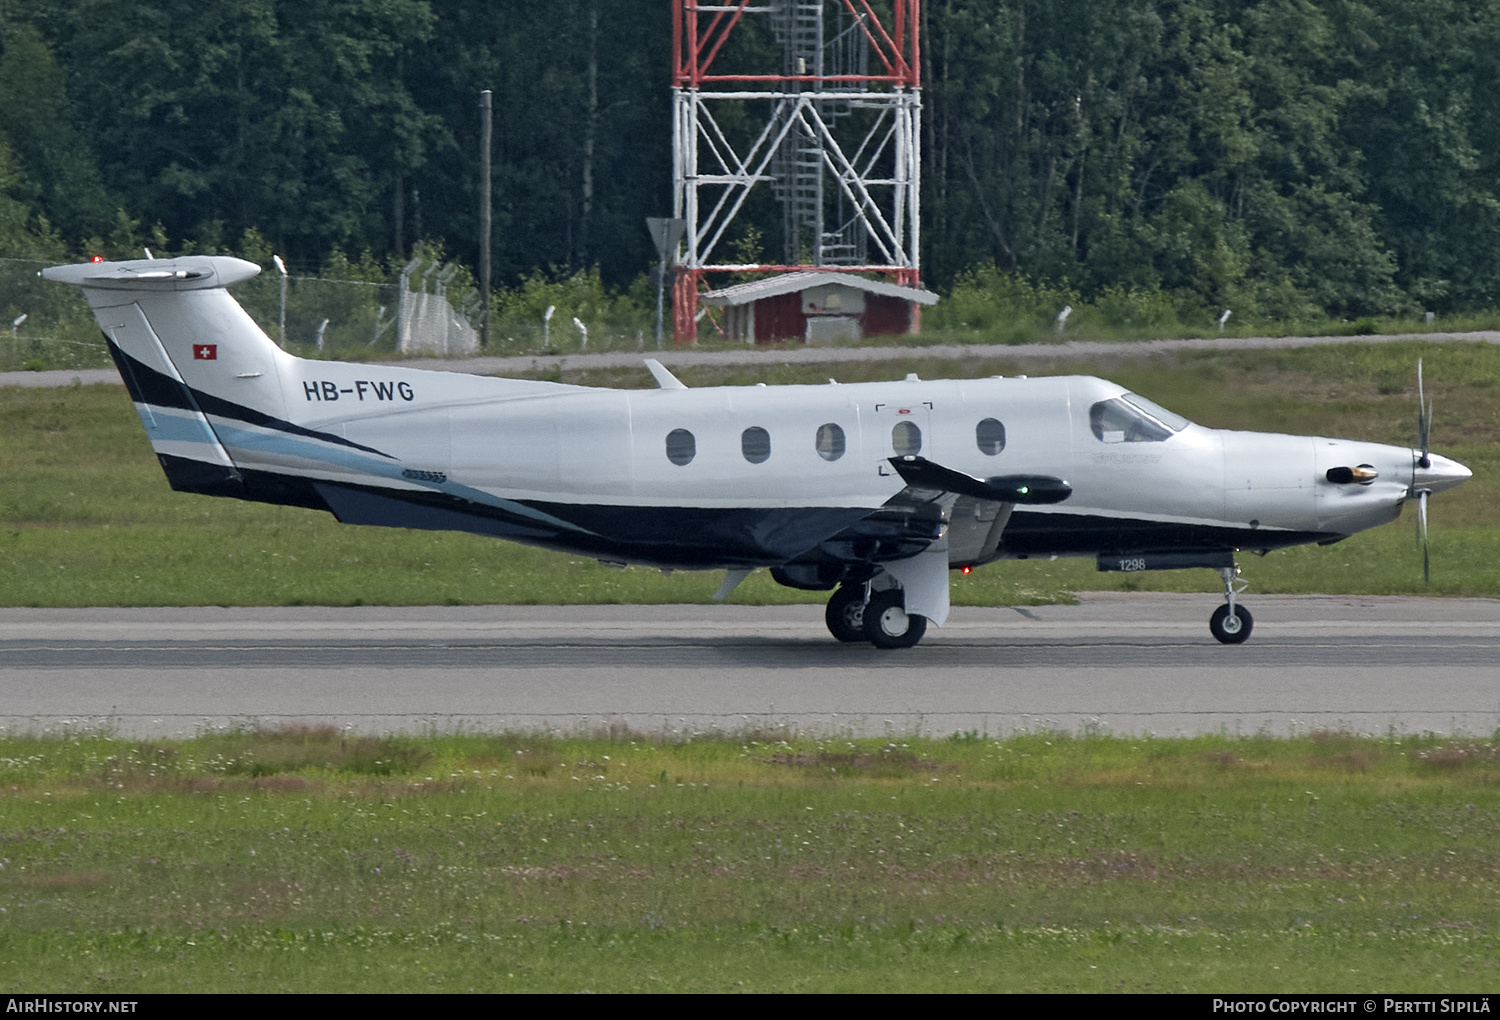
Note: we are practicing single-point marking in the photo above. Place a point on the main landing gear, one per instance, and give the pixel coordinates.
(855, 613)
(845, 614)
(1231, 624)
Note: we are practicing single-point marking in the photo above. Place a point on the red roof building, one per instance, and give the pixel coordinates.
(817, 307)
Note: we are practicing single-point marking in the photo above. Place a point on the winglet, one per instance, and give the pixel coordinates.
(665, 379)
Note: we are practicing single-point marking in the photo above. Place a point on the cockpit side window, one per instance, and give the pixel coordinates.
(1133, 419)
(1170, 419)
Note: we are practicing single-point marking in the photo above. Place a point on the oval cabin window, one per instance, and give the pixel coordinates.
(681, 447)
(830, 441)
(990, 435)
(906, 439)
(755, 444)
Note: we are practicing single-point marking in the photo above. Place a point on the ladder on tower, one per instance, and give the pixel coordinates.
(844, 128)
(800, 169)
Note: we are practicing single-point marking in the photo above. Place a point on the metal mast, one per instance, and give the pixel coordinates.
(835, 135)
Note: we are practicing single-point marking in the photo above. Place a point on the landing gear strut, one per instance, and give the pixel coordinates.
(1231, 624)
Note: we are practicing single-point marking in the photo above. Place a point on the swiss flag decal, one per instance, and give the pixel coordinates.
(205, 352)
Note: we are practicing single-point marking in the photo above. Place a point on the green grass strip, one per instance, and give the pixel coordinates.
(310, 860)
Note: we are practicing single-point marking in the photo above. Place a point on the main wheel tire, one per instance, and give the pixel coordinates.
(1231, 630)
(887, 623)
(845, 614)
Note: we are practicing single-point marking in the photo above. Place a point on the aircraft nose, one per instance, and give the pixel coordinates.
(1441, 474)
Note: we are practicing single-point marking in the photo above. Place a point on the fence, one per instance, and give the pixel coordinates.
(47, 326)
(44, 325)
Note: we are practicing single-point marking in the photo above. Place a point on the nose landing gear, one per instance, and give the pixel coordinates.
(1231, 624)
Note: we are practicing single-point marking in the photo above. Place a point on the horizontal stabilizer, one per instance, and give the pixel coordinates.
(189, 272)
(923, 473)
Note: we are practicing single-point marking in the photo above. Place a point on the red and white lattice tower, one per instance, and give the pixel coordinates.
(835, 134)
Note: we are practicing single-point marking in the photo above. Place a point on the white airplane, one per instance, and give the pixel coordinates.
(873, 490)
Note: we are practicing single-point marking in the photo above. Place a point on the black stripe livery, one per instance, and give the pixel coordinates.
(148, 386)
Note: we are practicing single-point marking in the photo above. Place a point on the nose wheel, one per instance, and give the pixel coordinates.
(1231, 623)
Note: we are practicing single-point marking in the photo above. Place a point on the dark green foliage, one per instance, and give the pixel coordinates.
(39, 122)
(1193, 147)
(214, 118)
(1288, 159)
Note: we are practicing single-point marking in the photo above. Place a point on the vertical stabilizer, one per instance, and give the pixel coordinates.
(180, 340)
(184, 441)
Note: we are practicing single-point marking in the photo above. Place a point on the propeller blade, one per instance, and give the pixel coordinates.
(1424, 419)
(1422, 530)
(1426, 461)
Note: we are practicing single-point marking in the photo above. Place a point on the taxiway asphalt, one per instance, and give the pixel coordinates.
(1124, 663)
(811, 354)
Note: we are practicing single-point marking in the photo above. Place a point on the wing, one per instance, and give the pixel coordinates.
(938, 505)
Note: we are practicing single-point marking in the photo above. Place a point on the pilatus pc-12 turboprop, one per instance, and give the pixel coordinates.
(872, 490)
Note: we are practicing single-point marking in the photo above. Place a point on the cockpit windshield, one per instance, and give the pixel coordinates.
(1130, 418)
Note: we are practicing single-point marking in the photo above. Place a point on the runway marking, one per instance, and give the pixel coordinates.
(758, 643)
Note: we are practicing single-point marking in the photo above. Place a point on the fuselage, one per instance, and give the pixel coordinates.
(643, 475)
(730, 477)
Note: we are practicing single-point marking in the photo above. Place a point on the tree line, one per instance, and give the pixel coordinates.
(1287, 158)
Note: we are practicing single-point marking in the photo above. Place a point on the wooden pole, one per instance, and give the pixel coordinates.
(486, 115)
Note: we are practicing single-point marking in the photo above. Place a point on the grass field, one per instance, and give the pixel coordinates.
(307, 861)
(86, 517)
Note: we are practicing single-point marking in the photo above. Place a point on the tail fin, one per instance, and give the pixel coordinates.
(173, 332)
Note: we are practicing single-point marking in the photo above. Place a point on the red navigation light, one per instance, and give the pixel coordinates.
(96, 258)
(966, 568)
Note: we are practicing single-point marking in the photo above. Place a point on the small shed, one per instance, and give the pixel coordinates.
(817, 306)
